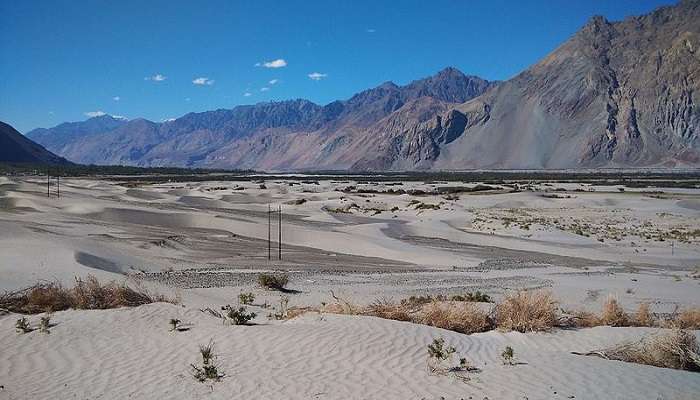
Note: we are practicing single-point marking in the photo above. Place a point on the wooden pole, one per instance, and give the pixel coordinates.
(279, 248)
(269, 232)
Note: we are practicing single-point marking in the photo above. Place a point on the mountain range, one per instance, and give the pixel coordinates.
(616, 94)
(15, 148)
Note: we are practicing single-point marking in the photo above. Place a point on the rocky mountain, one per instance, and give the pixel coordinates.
(615, 94)
(15, 148)
(277, 135)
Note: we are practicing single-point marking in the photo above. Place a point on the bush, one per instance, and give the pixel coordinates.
(22, 325)
(688, 319)
(677, 349)
(273, 281)
(613, 314)
(208, 370)
(388, 310)
(246, 298)
(475, 297)
(508, 355)
(527, 311)
(45, 323)
(463, 317)
(85, 294)
(174, 324)
(644, 317)
(439, 358)
(239, 316)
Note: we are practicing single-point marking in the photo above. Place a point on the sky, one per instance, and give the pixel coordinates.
(66, 60)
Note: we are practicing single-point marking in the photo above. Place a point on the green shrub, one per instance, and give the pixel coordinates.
(246, 298)
(239, 316)
(273, 281)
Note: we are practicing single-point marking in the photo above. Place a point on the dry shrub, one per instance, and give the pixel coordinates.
(613, 314)
(527, 311)
(644, 317)
(585, 319)
(86, 294)
(677, 349)
(687, 319)
(460, 317)
(388, 310)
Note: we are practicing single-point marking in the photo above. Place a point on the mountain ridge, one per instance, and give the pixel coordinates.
(615, 94)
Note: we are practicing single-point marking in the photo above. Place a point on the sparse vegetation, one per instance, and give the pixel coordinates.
(239, 316)
(527, 311)
(174, 323)
(22, 325)
(273, 281)
(677, 349)
(461, 317)
(246, 298)
(439, 361)
(508, 355)
(613, 314)
(45, 323)
(208, 370)
(85, 294)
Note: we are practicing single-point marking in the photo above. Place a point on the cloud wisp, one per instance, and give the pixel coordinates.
(317, 76)
(156, 78)
(93, 114)
(264, 89)
(203, 81)
(274, 81)
(116, 98)
(278, 63)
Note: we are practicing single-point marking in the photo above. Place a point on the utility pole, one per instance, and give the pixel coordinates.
(269, 233)
(279, 248)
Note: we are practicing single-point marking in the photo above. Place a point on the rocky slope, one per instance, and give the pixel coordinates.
(15, 148)
(615, 94)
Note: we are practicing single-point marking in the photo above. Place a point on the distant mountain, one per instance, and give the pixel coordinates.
(277, 135)
(616, 94)
(15, 148)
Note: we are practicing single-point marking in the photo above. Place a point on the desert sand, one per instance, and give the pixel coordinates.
(206, 242)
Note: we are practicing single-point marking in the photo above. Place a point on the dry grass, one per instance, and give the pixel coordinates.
(613, 314)
(85, 294)
(687, 319)
(644, 317)
(527, 311)
(387, 309)
(677, 349)
(460, 317)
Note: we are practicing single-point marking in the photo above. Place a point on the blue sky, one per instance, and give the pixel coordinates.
(62, 60)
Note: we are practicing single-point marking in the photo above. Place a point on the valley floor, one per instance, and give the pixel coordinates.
(206, 242)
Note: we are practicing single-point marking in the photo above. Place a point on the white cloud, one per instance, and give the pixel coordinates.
(247, 94)
(264, 89)
(95, 114)
(116, 98)
(274, 81)
(50, 112)
(279, 63)
(203, 81)
(156, 78)
(168, 120)
(120, 117)
(317, 76)
(187, 99)
(370, 30)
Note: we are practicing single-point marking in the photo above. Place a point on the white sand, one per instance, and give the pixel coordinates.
(106, 230)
